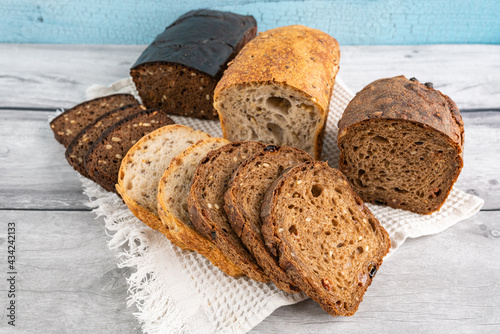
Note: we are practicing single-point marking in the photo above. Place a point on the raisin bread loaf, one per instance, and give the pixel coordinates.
(277, 90)
(325, 238)
(67, 125)
(173, 191)
(243, 201)
(143, 166)
(206, 203)
(103, 159)
(179, 70)
(401, 144)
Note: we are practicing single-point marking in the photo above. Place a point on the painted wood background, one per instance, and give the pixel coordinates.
(352, 22)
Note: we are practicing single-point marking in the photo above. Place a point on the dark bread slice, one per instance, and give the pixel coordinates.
(77, 150)
(243, 201)
(206, 203)
(179, 70)
(67, 125)
(104, 157)
(326, 239)
(401, 144)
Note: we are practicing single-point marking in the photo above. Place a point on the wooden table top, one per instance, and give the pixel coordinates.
(68, 280)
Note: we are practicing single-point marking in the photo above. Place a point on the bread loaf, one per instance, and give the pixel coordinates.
(325, 238)
(179, 70)
(401, 144)
(277, 90)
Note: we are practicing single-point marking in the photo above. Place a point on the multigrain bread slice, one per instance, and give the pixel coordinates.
(143, 166)
(79, 146)
(173, 191)
(326, 239)
(179, 70)
(243, 201)
(277, 90)
(401, 144)
(103, 159)
(206, 203)
(67, 125)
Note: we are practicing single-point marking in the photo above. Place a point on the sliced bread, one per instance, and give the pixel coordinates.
(325, 238)
(243, 201)
(206, 203)
(143, 166)
(104, 157)
(173, 191)
(67, 125)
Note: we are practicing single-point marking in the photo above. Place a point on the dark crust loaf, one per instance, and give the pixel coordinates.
(67, 125)
(294, 245)
(243, 201)
(206, 203)
(200, 43)
(103, 159)
(77, 150)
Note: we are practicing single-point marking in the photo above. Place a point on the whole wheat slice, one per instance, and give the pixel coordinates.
(206, 203)
(324, 236)
(143, 166)
(244, 200)
(173, 191)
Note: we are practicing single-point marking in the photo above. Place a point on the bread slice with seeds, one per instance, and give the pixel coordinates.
(173, 191)
(206, 203)
(243, 201)
(325, 238)
(143, 166)
(104, 157)
(67, 125)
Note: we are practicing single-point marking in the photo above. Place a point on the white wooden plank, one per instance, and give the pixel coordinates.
(52, 76)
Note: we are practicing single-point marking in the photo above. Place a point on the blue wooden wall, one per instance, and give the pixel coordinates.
(352, 22)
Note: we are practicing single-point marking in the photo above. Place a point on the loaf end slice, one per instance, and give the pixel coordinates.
(243, 201)
(206, 203)
(67, 125)
(325, 238)
(173, 191)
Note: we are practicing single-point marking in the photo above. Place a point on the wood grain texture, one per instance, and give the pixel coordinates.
(351, 22)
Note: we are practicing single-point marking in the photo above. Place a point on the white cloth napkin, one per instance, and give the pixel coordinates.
(178, 291)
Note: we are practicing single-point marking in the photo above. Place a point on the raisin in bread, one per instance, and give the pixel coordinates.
(103, 159)
(67, 125)
(401, 144)
(179, 70)
(206, 203)
(277, 90)
(173, 191)
(143, 166)
(325, 238)
(243, 201)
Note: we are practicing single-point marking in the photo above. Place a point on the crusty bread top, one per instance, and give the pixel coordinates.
(300, 57)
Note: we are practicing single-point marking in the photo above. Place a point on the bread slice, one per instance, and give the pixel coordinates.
(173, 191)
(206, 203)
(67, 125)
(103, 159)
(401, 144)
(277, 90)
(326, 239)
(243, 201)
(143, 166)
(77, 149)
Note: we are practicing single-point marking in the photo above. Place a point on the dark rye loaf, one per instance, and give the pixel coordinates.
(325, 238)
(401, 144)
(243, 201)
(179, 70)
(104, 157)
(206, 203)
(77, 150)
(67, 125)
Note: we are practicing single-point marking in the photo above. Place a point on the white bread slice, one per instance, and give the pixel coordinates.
(143, 167)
